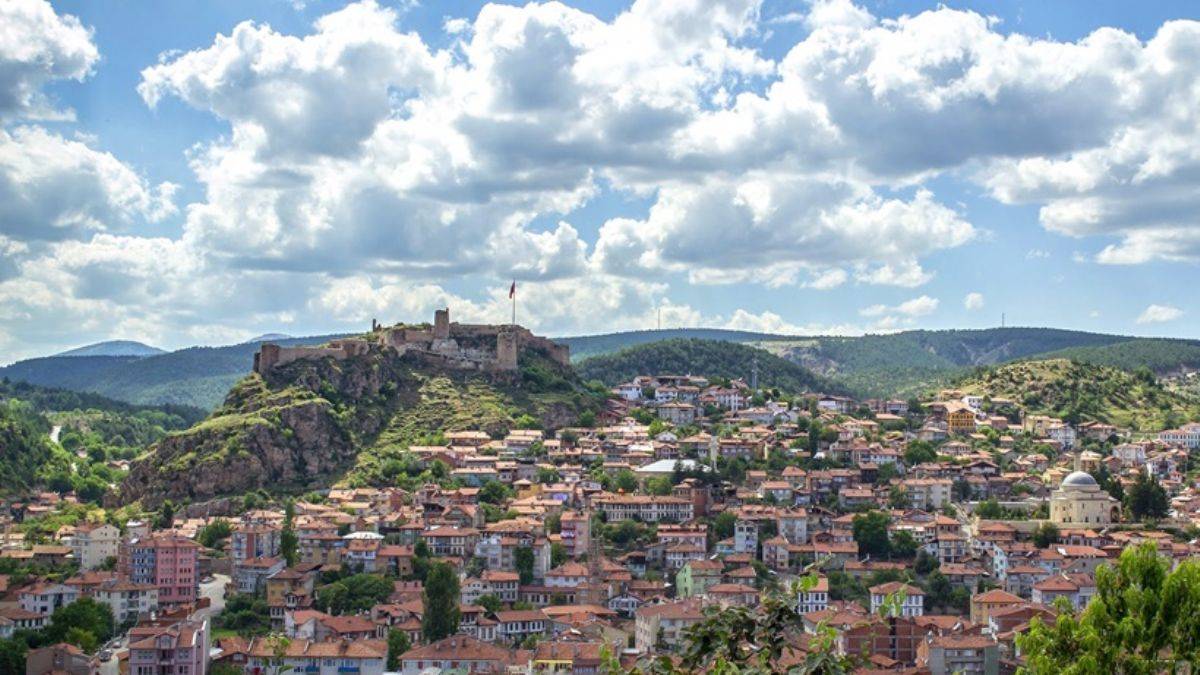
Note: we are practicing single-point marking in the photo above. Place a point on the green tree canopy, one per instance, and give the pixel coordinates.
(440, 599)
(1144, 618)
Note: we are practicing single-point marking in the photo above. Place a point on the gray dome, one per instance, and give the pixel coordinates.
(1079, 480)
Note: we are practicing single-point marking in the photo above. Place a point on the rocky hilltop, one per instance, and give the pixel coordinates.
(326, 418)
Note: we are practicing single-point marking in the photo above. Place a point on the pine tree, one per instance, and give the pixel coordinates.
(441, 603)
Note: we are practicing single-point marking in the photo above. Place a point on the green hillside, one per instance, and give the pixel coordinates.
(1078, 391)
(1159, 355)
(709, 358)
(91, 427)
(903, 363)
(593, 345)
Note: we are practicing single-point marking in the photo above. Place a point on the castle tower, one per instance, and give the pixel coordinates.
(507, 344)
(441, 324)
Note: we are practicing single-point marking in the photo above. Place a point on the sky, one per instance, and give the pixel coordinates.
(201, 172)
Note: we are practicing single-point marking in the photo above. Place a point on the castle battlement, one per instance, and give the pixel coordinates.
(485, 347)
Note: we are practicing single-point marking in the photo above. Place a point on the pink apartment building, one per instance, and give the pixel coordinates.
(168, 562)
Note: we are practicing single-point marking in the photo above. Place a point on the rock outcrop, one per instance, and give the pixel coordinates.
(303, 424)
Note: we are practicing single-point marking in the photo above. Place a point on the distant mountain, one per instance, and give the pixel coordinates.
(114, 348)
(709, 358)
(268, 337)
(584, 346)
(196, 376)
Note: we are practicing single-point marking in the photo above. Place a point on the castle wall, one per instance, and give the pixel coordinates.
(478, 346)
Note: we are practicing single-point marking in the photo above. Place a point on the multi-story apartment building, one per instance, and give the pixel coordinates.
(167, 562)
(45, 598)
(254, 541)
(576, 533)
(93, 545)
(179, 649)
(127, 600)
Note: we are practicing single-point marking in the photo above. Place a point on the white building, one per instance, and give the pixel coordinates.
(92, 545)
(913, 603)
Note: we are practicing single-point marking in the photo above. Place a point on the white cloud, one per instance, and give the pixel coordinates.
(916, 307)
(52, 187)
(38, 46)
(1159, 314)
(973, 301)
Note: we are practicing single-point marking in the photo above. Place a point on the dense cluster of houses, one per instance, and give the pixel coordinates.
(730, 499)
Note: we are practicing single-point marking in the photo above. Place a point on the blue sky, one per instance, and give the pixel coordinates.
(201, 172)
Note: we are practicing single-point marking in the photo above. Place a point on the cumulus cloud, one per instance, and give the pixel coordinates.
(379, 171)
(38, 46)
(52, 187)
(973, 301)
(1159, 314)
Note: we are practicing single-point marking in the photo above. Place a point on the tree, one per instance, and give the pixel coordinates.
(1144, 618)
(898, 497)
(493, 492)
(724, 524)
(355, 593)
(904, 544)
(397, 644)
(523, 562)
(1045, 535)
(289, 543)
(919, 452)
(870, 531)
(558, 554)
(440, 600)
(626, 481)
(1147, 499)
(490, 602)
(86, 614)
(12, 655)
(84, 639)
(659, 485)
(166, 516)
(212, 534)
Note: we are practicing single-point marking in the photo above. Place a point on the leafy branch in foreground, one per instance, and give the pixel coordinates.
(751, 641)
(1144, 618)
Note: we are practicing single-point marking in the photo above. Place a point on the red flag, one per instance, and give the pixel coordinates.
(512, 290)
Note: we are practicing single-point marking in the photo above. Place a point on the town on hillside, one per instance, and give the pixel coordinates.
(926, 535)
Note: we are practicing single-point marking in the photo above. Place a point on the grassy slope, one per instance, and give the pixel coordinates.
(703, 357)
(1085, 391)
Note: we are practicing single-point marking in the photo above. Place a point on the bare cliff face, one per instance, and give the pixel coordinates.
(310, 423)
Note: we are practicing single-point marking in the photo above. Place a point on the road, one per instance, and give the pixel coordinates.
(213, 590)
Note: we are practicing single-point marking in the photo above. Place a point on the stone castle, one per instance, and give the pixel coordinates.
(481, 347)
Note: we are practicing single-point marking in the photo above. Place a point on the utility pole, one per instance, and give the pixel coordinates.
(1002, 317)
(660, 317)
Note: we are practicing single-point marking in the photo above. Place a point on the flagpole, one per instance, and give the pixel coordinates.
(513, 295)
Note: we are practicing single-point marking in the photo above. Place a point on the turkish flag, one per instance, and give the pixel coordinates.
(512, 290)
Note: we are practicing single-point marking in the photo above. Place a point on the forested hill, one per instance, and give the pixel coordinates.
(709, 358)
(902, 363)
(93, 431)
(1161, 356)
(593, 345)
(196, 376)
